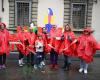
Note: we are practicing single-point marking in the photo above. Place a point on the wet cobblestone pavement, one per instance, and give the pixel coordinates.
(14, 72)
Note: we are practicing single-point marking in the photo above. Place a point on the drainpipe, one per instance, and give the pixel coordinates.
(2, 5)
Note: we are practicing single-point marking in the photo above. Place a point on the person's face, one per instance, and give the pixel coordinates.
(67, 28)
(24, 30)
(54, 27)
(86, 33)
(2, 27)
(40, 37)
(19, 29)
(44, 30)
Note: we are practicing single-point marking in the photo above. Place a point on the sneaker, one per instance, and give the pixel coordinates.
(43, 63)
(85, 71)
(80, 70)
(35, 67)
(20, 64)
(3, 66)
(40, 66)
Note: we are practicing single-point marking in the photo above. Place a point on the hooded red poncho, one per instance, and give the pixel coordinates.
(87, 47)
(4, 40)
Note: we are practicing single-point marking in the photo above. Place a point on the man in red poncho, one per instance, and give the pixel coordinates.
(4, 45)
(87, 47)
(67, 47)
(55, 43)
(46, 38)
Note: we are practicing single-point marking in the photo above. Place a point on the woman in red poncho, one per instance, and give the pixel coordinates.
(4, 45)
(20, 47)
(67, 47)
(87, 47)
(55, 43)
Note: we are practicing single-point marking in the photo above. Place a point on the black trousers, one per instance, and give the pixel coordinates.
(53, 57)
(20, 55)
(67, 61)
(30, 58)
(3, 59)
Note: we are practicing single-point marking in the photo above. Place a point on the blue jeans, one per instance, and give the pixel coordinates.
(39, 57)
(83, 64)
(67, 61)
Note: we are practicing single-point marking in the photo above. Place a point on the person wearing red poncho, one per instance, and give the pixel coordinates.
(55, 43)
(67, 47)
(87, 46)
(19, 35)
(31, 48)
(4, 45)
(46, 39)
(26, 38)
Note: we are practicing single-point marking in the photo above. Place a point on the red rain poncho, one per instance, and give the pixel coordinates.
(19, 35)
(4, 41)
(68, 46)
(87, 47)
(55, 36)
(32, 38)
(23, 37)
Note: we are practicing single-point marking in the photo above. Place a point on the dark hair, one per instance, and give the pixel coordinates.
(54, 25)
(43, 28)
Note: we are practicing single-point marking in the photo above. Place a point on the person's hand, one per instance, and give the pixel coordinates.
(65, 49)
(48, 53)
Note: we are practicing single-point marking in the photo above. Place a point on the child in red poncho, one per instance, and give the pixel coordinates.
(87, 46)
(67, 47)
(4, 45)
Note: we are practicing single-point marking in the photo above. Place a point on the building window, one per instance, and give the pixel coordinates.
(78, 15)
(23, 13)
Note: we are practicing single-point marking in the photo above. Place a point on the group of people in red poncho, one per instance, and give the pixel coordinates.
(36, 45)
